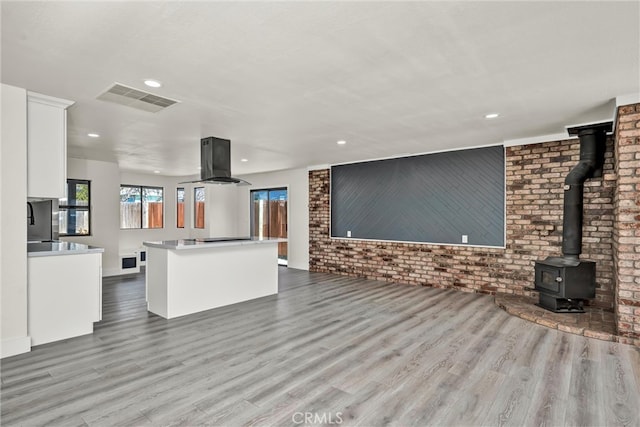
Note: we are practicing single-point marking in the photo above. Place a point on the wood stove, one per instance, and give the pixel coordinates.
(564, 283)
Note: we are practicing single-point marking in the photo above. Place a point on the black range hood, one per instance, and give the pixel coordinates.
(215, 162)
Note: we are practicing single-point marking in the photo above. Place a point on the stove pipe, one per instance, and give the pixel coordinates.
(592, 148)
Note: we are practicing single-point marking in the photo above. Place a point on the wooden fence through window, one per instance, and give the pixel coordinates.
(180, 213)
(130, 215)
(154, 215)
(199, 219)
(277, 224)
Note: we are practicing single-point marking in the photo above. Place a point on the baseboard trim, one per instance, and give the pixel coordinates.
(108, 272)
(14, 346)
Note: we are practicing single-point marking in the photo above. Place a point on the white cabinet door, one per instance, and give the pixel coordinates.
(46, 145)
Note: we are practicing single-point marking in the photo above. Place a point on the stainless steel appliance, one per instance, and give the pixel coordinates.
(42, 224)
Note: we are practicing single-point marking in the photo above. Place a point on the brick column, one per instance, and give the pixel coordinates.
(319, 220)
(626, 233)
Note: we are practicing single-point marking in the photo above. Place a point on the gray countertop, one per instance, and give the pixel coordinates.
(60, 248)
(210, 242)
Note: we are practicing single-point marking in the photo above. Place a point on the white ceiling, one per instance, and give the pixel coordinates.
(285, 80)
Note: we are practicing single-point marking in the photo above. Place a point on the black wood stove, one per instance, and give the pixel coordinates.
(564, 283)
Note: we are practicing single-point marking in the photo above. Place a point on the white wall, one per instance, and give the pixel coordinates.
(189, 220)
(220, 211)
(105, 208)
(297, 183)
(13, 222)
(221, 218)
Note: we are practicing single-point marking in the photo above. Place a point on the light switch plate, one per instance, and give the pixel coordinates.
(465, 238)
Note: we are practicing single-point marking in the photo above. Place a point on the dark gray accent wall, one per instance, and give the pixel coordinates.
(431, 198)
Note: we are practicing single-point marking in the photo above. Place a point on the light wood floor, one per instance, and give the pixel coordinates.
(341, 349)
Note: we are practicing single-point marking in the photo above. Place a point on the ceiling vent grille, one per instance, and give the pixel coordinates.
(135, 98)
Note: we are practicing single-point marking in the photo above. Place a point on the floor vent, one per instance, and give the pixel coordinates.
(136, 98)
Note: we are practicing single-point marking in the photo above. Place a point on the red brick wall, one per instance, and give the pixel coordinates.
(535, 177)
(626, 241)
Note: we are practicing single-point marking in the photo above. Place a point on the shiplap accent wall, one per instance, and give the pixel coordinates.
(431, 198)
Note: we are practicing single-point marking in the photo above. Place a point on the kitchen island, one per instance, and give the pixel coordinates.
(192, 275)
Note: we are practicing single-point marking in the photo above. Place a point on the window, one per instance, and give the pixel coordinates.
(130, 207)
(269, 217)
(198, 207)
(75, 209)
(180, 208)
(141, 207)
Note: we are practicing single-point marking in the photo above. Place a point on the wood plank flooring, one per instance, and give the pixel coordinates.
(326, 350)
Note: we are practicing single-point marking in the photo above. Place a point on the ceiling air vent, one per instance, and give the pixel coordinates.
(136, 98)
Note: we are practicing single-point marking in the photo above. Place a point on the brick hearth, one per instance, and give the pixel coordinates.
(596, 322)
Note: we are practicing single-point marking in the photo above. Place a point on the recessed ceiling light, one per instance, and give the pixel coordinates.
(244, 160)
(156, 171)
(152, 83)
(93, 135)
(341, 142)
(491, 116)
(199, 167)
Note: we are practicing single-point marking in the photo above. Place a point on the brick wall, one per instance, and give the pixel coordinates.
(626, 241)
(535, 177)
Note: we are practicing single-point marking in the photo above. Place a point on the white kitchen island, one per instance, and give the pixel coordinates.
(192, 275)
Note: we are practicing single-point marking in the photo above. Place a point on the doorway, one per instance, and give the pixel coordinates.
(269, 217)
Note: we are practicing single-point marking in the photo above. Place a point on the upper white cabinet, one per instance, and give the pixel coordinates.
(46, 145)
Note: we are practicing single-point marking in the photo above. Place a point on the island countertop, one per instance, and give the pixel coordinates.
(210, 242)
(60, 248)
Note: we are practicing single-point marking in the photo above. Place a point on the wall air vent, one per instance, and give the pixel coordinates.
(136, 98)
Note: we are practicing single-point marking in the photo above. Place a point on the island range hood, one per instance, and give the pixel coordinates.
(215, 162)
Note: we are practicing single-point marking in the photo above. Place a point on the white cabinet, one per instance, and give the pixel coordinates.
(46, 145)
(64, 296)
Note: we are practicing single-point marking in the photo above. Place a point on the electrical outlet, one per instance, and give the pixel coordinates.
(349, 233)
(465, 238)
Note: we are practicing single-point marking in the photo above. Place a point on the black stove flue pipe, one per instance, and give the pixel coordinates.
(592, 148)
